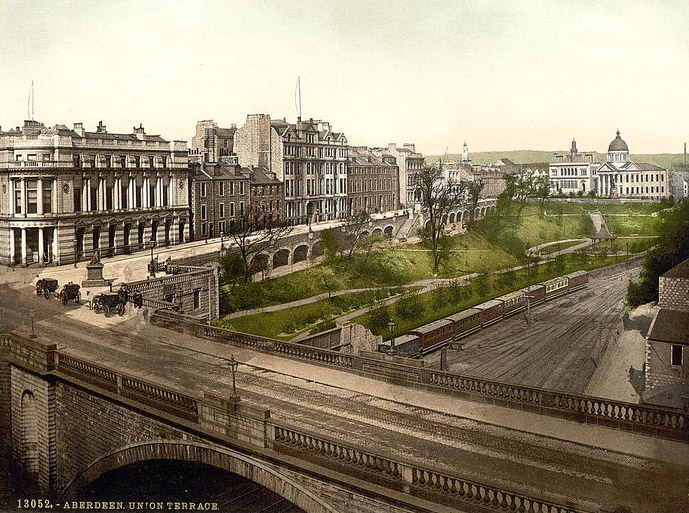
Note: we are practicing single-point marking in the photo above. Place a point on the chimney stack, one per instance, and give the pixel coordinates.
(101, 129)
(139, 132)
(79, 129)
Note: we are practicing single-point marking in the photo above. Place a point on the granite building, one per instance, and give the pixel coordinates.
(372, 181)
(212, 142)
(409, 162)
(65, 192)
(307, 156)
(267, 198)
(573, 172)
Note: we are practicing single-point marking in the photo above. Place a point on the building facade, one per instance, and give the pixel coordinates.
(219, 197)
(307, 156)
(212, 142)
(667, 344)
(573, 172)
(267, 198)
(410, 163)
(372, 181)
(619, 177)
(66, 192)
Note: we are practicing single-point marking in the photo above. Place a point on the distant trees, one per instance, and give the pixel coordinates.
(671, 249)
(474, 190)
(438, 197)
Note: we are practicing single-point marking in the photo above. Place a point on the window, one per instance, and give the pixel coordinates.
(123, 161)
(203, 213)
(77, 199)
(31, 196)
(151, 162)
(203, 189)
(137, 161)
(241, 208)
(108, 198)
(221, 189)
(221, 227)
(47, 196)
(676, 357)
(197, 299)
(17, 196)
(241, 188)
(231, 188)
(221, 210)
(231, 209)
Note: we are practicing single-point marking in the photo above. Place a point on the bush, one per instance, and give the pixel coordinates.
(379, 319)
(409, 308)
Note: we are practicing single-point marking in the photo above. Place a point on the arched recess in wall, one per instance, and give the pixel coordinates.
(197, 452)
(28, 432)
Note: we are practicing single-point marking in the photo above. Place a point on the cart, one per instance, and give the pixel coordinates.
(46, 287)
(108, 303)
(70, 292)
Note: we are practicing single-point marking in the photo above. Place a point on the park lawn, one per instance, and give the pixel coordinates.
(559, 247)
(633, 245)
(604, 208)
(286, 324)
(632, 225)
(418, 309)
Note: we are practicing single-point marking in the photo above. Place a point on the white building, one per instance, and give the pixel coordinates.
(573, 172)
(619, 177)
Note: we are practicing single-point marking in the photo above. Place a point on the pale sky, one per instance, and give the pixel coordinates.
(501, 74)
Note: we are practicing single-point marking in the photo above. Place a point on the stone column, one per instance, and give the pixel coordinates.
(56, 257)
(117, 194)
(12, 248)
(23, 246)
(41, 242)
(54, 207)
(131, 194)
(39, 197)
(23, 197)
(101, 194)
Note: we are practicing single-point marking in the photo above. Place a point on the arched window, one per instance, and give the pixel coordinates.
(28, 432)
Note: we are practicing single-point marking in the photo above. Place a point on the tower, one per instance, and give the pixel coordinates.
(465, 152)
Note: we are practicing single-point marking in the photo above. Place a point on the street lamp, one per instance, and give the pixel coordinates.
(391, 327)
(76, 253)
(32, 314)
(233, 364)
(152, 268)
(222, 241)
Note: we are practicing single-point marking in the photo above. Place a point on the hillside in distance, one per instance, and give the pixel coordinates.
(664, 160)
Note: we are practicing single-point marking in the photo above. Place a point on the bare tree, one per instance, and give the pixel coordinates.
(438, 197)
(474, 190)
(252, 236)
(353, 227)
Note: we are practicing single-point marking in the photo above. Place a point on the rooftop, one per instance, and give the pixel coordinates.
(670, 326)
(681, 270)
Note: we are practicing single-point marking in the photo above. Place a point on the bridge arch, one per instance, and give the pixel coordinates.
(452, 217)
(316, 249)
(388, 231)
(301, 253)
(377, 231)
(197, 452)
(281, 257)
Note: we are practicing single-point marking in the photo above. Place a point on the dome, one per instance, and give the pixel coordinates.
(618, 144)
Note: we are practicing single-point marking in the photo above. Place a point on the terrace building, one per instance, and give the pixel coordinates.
(372, 181)
(267, 198)
(307, 156)
(619, 177)
(212, 142)
(66, 192)
(410, 163)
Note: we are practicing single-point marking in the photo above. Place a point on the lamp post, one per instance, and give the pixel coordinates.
(76, 253)
(391, 327)
(152, 268)
(32, 314)
(222, 241)
(233, 364)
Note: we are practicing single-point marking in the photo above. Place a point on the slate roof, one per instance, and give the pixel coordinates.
(670, 326)
(681, 270)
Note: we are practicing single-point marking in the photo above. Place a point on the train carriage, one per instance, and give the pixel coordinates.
(492, 310)
(535, 294)
(433, 334)
(577, 280)
(555, 287)
(466, 322)
(406, 345)
(514, 302)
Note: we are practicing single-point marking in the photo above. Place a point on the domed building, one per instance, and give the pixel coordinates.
(619, 177)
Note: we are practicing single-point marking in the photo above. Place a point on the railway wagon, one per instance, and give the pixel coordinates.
(433, 334)
(492, 311)
(577, 280)
(406, 345)
(555, 287)
(466, 322)
(535, 293)
(515, 302)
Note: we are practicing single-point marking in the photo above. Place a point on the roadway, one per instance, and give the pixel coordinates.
(385, 419)
(559, 349)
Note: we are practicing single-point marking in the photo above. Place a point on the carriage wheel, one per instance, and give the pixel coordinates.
(98, 308)
(63, 298)
(46, 293)
(77, 298)
(39, 290)
(120, 309)
(106, 309)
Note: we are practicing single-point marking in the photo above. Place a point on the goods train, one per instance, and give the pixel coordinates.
(434, 335)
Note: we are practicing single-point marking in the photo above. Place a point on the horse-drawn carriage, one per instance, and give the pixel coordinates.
(109, 303)
(46, 287)
(70, 292)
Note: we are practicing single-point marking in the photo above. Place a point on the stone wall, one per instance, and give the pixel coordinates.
(659, 372)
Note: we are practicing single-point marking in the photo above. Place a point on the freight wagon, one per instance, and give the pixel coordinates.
(433, 334)
(466, 322)
(493, 311)
(535, 294)
(577, 280)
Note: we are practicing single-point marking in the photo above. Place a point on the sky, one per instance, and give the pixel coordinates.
(501, 74)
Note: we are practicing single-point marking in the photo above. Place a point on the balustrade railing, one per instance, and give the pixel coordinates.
(87, 371)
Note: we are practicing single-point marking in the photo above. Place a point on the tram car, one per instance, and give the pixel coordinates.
(536, 294)
(406, 345)
(466, 322)
(555, 287)
(514, 302)
(433, 334)
(577, 280)
(492, 310)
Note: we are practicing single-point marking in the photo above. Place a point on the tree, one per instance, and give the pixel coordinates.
(252, 237)
(438, 197)
(353, 227)
(542, 189)
(366, 243)
(330, 244)
(474, 190)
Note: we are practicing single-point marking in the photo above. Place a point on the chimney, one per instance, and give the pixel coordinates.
(139, 132)
(101, 128)
(411, 146)
(233, 125)
(79, 129)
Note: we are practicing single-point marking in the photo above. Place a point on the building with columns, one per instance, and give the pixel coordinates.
(573, 172)
(66, 192)
(619, 177)
(307, 156)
